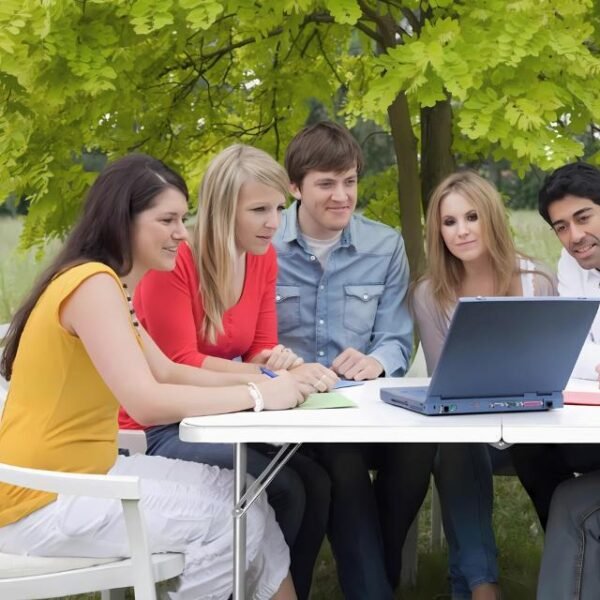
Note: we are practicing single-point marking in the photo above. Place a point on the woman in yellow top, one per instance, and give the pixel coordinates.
(75, 351)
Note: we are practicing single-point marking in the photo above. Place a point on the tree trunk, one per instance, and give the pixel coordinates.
(409, 185)
(407, 161)
(437, 160)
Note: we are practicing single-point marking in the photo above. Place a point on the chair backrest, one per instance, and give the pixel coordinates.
(133, 440)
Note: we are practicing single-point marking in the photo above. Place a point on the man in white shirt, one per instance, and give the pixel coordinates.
(578, 281)
(570, 202)
(569, 506)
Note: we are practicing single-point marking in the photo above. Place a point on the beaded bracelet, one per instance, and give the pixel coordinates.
(255, 393)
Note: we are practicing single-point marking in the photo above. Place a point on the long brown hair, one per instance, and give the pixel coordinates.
(124, 189)
(444, 271)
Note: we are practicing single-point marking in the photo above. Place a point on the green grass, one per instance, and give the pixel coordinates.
(534, 236)
(18, 269)
(517, 529)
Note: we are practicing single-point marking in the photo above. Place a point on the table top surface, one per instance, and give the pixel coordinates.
(371, 421)
(567, 425)
(374, 421)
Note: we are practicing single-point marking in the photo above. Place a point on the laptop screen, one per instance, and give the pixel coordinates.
(507, 346)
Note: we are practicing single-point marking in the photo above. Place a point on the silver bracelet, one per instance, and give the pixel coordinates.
(255, 393)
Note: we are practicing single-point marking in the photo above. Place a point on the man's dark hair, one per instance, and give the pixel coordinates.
(575, 179)
(324, 146)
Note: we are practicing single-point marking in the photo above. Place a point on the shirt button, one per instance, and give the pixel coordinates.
(365, 296)
(313, 258)
(321, 287)
(278, 298)
(321, 353)
(321, 322)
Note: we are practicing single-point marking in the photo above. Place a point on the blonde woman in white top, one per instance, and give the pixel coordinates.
(470, 252)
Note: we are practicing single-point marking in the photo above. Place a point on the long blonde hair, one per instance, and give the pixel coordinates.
(444, 271)
(213, 243)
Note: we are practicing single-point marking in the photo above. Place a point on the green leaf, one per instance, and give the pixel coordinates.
(344, 11)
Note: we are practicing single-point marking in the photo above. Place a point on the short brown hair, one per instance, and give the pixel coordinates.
(324, 146)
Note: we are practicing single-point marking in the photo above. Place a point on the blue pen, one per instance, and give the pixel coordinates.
(268, 372)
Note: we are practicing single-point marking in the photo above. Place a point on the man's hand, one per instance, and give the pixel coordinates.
(352, 364)
(278, 357)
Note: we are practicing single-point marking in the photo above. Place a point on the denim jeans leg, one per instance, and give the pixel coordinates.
(569, 569)
(464, 479)
(353, 529)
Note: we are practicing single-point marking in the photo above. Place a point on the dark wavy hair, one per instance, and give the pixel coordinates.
(124, 189)
(575, 179)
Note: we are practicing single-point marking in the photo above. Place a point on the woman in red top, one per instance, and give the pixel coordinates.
(218, 304)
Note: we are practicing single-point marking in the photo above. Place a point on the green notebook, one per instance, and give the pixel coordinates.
(326, 400)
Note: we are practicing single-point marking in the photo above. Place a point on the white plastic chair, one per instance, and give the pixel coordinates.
(133, 440)
(30, 578)
(37, 577)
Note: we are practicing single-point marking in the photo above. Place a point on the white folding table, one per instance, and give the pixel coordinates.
(371, 421)
(568, 425)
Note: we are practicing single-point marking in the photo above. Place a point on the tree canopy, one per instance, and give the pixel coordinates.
(180, 79)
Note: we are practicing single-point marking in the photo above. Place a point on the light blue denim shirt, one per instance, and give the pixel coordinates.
(358, 301)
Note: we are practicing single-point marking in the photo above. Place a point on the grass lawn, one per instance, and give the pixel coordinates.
(517, 530)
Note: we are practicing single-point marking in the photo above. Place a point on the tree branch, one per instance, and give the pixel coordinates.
(329, 64)
(369, 32)
(410, 17)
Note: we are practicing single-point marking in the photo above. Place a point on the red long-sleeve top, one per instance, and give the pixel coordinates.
(169, 305)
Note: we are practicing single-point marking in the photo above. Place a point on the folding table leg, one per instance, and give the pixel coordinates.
(243, 499)
(239, 523)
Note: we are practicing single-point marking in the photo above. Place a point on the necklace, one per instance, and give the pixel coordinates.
(132, 314)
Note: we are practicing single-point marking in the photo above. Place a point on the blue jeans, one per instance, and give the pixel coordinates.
(464, 478)
(299, 494)
(369, 520)
(570, 568)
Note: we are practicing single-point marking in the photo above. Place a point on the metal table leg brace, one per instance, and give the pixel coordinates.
(243, 499)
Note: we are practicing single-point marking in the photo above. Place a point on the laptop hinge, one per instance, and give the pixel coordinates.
(525, 396)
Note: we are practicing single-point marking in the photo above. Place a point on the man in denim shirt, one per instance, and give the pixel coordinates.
(341, 301)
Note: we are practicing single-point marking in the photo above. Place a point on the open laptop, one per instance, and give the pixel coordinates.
(501, 355)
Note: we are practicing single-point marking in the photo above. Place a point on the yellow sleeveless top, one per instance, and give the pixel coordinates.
(59, 413)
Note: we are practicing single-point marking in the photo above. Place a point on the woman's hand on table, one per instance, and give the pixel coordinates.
(279, 357)
(283, 391)
(318, 377)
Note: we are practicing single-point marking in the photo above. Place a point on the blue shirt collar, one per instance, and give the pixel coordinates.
(293, 233)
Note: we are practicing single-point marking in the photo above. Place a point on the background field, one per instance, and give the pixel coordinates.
(517, 529)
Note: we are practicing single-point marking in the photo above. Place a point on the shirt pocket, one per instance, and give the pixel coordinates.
(360, 306)
(287, 300)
